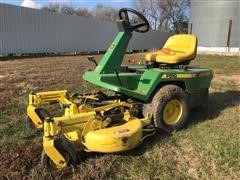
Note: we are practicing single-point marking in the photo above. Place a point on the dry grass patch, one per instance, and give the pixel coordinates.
(207, 149)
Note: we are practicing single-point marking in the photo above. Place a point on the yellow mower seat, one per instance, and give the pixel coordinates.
(178, 49)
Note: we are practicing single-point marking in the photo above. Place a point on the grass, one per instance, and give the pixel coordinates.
(208, 149)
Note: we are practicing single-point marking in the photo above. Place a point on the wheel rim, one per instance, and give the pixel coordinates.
(172, 112)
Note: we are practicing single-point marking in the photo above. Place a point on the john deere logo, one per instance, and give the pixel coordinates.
(112, 46)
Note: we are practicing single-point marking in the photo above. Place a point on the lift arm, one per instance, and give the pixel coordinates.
(36, 113)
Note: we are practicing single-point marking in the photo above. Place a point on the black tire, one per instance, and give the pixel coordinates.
(157, 107)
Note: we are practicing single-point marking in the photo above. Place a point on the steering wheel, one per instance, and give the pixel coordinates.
(134, 27)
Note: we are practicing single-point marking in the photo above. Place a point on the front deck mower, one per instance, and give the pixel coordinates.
(157, 95)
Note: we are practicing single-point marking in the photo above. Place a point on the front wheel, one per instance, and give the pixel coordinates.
(169, 108)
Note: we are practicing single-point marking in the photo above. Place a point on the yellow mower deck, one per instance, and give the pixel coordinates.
(115, 139)
(92, 127)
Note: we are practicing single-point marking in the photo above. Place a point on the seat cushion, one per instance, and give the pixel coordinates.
(177, 49)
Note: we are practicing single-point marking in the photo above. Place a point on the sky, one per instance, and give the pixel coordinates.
(79, 3)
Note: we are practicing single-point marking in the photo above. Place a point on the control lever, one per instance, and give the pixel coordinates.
(92, 59)
(116, 71)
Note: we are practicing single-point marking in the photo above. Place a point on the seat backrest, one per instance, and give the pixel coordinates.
(186, 43)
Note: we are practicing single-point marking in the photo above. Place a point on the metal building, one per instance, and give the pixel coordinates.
(25, 30)
(216, 24)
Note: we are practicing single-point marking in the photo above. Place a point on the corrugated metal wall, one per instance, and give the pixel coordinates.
(210, 21)
(24, 30)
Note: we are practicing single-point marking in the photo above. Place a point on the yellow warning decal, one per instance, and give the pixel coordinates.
(112, 46)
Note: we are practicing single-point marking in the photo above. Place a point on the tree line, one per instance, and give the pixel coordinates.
(165, 15)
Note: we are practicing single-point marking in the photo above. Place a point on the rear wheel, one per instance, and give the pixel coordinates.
(169, 108)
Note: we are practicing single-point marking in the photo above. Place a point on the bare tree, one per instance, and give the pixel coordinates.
(106, 13)
(83, 12)
(51, 7)
(173, 14)
(68, 9)
(149, 9)
(166, 15)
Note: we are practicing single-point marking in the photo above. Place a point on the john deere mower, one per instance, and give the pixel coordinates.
(157, 95)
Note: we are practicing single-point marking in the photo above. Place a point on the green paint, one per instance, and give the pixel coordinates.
(141, 86)
(114, 56)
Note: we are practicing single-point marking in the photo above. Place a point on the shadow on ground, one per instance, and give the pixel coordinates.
(218, 101)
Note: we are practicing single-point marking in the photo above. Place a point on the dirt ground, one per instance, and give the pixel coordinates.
(208, 149)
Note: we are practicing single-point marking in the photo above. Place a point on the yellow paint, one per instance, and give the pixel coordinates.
(37, 122)
(177, 49)
(53, 153)
(172, 112)
(114, 139)
(175, 76)
(72, 136)
(85, 125)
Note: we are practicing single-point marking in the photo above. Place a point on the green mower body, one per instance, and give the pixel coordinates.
(140, 81)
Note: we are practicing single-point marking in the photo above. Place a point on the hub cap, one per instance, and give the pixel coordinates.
(172, 112)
